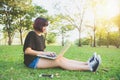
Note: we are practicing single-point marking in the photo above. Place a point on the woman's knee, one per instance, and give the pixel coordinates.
(60, 60)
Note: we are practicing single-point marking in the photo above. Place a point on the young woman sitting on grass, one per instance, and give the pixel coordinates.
(35, 44)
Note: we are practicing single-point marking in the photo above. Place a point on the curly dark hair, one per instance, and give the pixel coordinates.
(40, 23)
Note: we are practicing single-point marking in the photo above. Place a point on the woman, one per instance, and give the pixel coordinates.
(35, 45)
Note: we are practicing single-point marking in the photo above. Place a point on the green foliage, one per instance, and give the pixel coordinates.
(12, 67)
(113, 40)
(60, 26)
(51, 38)
(102, 41)
(10, 10)
(39, 11)
(84, 41)
(17, 15)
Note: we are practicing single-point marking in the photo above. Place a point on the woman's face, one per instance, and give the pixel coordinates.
(44, 30)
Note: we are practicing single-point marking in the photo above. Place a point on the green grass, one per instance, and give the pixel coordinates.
(12, 67)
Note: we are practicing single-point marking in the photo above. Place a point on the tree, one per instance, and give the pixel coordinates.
(39, 11)
(60, 26)
(73, 14)
(17, 15)
(76, 19)
(93, 5)
(116, 20)
(64, 30)
(108, 26)
(101, 35)
(22, 25)
(25, 19)
(114, 40)
(9, 11)
(51, 38)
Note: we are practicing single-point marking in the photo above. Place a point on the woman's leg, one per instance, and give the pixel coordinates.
(79, 62)
(63, 63)
(47, 63)
(73, 64)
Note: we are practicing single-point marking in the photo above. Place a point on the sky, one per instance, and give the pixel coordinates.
(109, 10)
(111, 7)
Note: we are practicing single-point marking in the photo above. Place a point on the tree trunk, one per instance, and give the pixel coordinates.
(108, 40)
(62, 38)
(94, 36)
(100, 40)
(91, 41)
(9, 38)
(79, 39)
(21, 39)
(119, 38)
(9, 33)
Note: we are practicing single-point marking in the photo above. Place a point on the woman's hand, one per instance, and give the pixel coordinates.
(51, 54)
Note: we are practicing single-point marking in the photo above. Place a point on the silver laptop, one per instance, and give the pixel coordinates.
(63, 50)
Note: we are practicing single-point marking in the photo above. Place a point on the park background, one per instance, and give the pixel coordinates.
(90, 25)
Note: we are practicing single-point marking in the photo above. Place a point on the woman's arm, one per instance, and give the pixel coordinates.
(34, 52)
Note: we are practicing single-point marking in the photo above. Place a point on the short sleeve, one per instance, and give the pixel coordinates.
(29, 41)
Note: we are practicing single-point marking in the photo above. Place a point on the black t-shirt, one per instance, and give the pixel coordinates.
(35, 42)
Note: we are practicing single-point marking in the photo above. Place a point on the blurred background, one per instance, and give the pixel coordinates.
(83, 22)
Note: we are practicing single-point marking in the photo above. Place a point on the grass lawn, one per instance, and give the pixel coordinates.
(12, 67)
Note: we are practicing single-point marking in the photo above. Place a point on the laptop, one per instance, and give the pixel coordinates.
(63, 50)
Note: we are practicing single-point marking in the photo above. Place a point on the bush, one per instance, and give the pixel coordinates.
(51, 38)
(84, 41)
